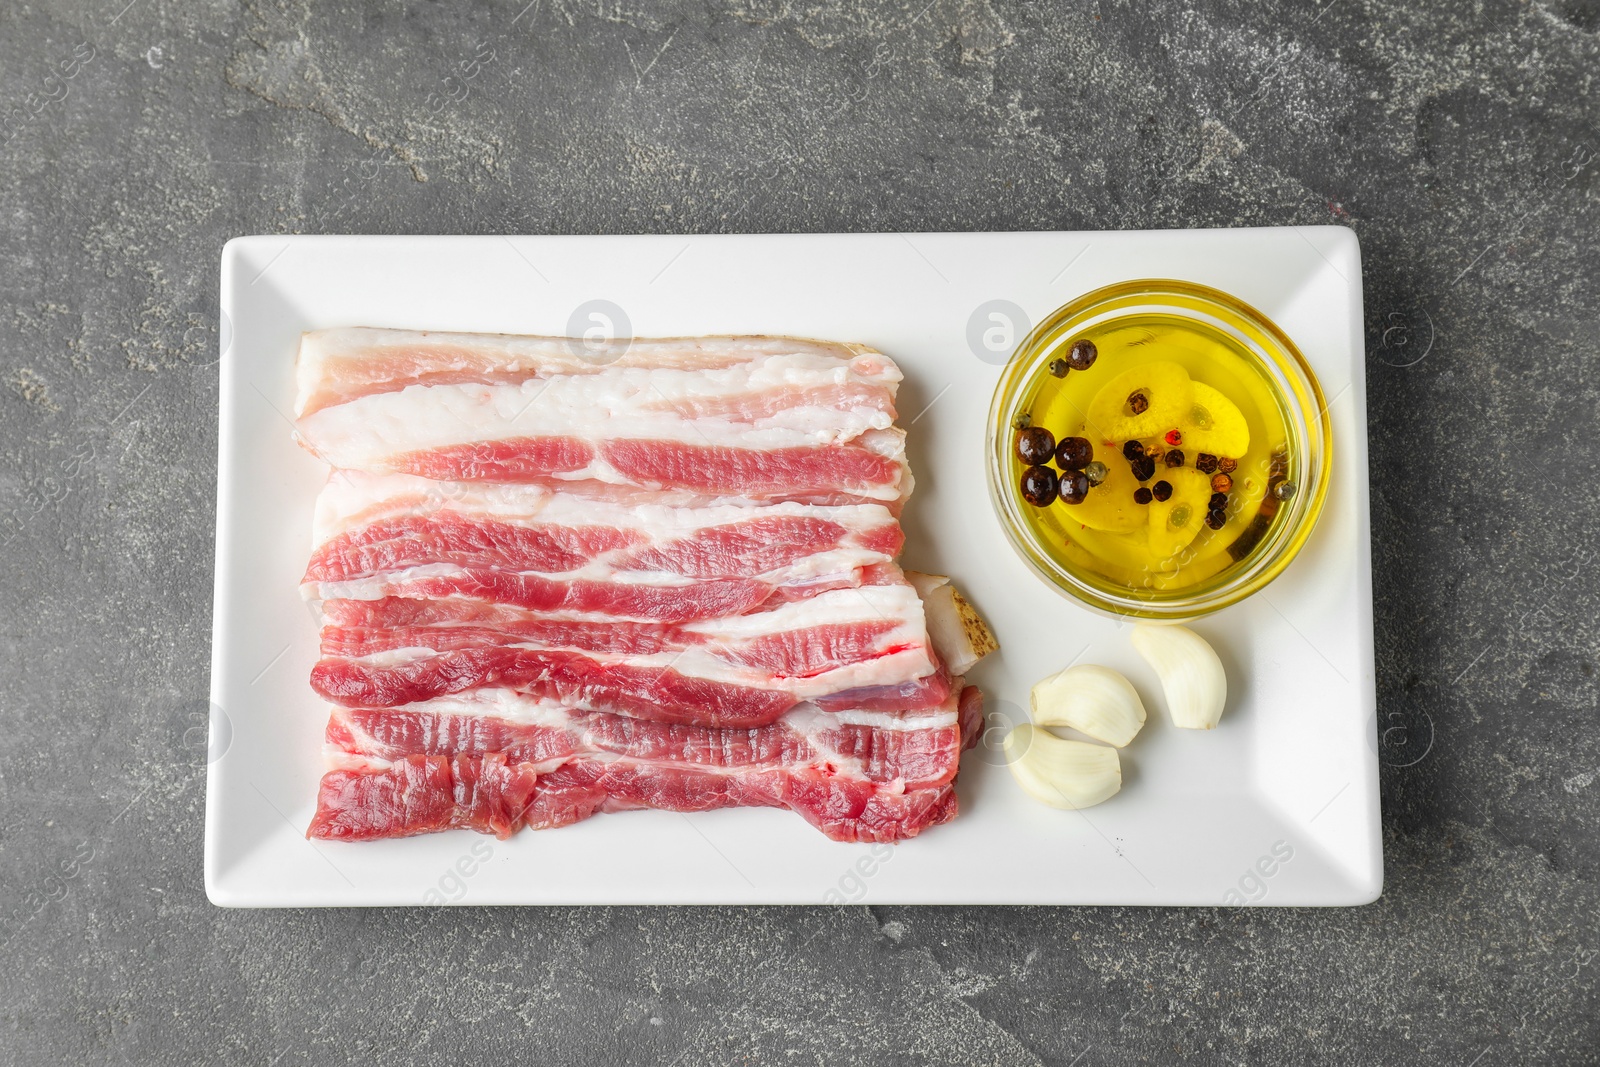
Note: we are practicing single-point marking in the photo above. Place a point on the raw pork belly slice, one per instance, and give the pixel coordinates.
(913, 750)
(557, 580)
(730, 671)
(534, 781)
(337, 366)
(852, 651)
(390, 525)
(768, 422)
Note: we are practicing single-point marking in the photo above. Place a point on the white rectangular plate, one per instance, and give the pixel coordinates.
(1279, 805)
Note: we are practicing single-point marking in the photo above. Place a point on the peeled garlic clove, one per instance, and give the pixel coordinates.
(1090, 699)
(1063, 774)
(1191, 674)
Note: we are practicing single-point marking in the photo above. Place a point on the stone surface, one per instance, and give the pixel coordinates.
(1460, 141)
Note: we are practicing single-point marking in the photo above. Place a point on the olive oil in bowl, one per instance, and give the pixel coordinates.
(1183, 443)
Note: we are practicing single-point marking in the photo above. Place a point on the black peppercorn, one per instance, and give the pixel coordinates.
(1074, 487)
(1036, 445)
(1074, 453)
(1039, 486)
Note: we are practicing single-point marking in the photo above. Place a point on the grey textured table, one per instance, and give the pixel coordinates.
(1461, 142)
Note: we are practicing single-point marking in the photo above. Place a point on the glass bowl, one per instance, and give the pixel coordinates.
(1250, 335)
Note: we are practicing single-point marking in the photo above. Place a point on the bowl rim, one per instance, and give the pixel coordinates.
(1284, 357)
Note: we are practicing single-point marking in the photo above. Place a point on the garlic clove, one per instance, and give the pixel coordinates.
(1061, 773)
(1191, 674)
(955, 629)
(1091, 699)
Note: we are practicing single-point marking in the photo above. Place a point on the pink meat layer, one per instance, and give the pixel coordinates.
(754, 546)
(661, 694)
(801, 653)
(425, 794)
(699, 601)
(490, 614)
(713, 599)
(917, 758)
(824, 473)
(493, 793)
(658, 693)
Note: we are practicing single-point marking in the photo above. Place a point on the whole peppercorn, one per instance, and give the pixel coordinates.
(1205, 463)
(1142, 495)
(1174, 437)
(1082, 354)
(1074, 453)
(1132, 450)
(1161, 490)
(1221, 483)
(1144, 468)
(1039, 486)
(1283, 490)
(1227, 466)
(1174, 458)
(1217, 502)
(1074, 487)
(1058, 367)
(1096, 472)
(1216, 519)
(1022, 421)
(1036, 445)
(1138, 403)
